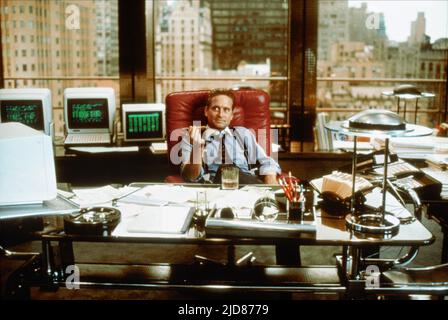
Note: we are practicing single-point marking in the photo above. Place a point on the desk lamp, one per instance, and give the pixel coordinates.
(375, 123)
(407, 92)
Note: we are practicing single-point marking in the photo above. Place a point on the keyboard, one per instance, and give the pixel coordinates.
(94, 138)
(159, 147)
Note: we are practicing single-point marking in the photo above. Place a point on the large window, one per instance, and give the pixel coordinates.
(59, 44)
(368, 47)
(363, 49)
(222, 43)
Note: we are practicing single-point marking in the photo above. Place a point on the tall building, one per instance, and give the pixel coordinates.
(39, 43)
(183, 42)
(251, 32)
(418, 29)
(107, 37)
(333, 26)
(366, 26)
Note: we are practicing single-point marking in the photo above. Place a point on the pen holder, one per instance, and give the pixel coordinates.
(295, 209)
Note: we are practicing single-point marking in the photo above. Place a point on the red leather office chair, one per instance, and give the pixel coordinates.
(251, 110)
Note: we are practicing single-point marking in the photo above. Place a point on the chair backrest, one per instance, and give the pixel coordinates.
(251, 110)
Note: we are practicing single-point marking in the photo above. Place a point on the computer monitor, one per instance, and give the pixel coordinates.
(27, 173)
(89, 110)
(29, 106)
(143, 122)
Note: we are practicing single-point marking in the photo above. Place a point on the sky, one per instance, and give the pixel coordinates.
(398, 15)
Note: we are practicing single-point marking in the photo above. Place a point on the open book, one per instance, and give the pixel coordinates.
(339, 184)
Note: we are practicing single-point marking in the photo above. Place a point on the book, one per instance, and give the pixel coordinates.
(339, 184)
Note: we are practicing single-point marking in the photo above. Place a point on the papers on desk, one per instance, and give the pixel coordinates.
(441, 176)
(415, 147)
(437, 161)
(242, 198)
(88, 197)
(151, 221)
(393, 206)
(159, 195)
(160, 209)
(161, 220)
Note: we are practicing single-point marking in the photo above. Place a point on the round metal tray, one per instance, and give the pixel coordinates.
(373, 223)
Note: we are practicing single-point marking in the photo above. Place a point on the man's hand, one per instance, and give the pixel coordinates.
(194, 134)
(270, 178)
(192, 169)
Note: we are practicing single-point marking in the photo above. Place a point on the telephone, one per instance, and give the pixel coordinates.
(401, 174)
(399, 169)
(426, 187)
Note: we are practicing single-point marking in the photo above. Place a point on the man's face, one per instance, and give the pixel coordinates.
(220, 112)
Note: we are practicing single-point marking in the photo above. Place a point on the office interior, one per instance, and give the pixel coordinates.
(316, 61)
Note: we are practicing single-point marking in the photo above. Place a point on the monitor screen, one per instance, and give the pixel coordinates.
(28, 112)
(88, 113)
(144, 125)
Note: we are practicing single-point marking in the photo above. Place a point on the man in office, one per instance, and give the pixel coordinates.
(202, 158)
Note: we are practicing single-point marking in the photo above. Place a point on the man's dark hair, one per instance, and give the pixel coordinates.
(221, 92)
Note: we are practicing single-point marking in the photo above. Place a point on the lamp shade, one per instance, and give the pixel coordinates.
(377, 120)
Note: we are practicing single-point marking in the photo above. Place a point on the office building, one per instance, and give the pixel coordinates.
(48, 47)
(333, 26)
(106, 37)
(418, 28)
(183, 42)
(251, 32)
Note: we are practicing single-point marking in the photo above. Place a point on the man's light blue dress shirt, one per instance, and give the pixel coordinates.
(234, 139)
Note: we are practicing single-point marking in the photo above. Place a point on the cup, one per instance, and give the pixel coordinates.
(229, 177)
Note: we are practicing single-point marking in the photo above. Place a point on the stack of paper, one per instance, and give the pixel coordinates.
(374, 200)
(340, 183)
(441, 176)
(415, 147)
(95, 196)
(437, 161)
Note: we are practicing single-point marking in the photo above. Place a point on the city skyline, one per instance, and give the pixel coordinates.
(436, 15)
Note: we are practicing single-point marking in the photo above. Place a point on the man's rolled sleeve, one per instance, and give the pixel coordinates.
(268, 166)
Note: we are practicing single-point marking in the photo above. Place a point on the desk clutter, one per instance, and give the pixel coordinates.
(161, 210)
